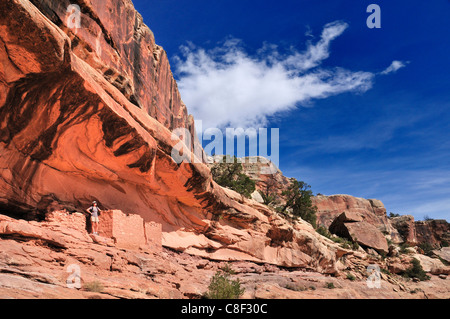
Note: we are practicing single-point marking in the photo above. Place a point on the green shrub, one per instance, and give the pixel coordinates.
(355, 245)
(324, 232)
(338, 240)
(298, 198)
(230, 175)
(445, 262)
(416, 271)
(345, 243)
(329, 285)
(268, 191)
(222, 287)
(267, 198)
(351, 277)
(404, 248)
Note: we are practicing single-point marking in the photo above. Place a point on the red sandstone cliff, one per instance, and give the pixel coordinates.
(84, 119)
(87, 114)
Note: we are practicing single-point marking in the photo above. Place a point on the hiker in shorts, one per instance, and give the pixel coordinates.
(95, 212)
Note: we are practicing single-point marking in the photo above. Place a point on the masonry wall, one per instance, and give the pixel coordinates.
(130, 231)
(153, 235)
(65, 220)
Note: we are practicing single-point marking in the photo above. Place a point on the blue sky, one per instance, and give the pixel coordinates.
(361, 111)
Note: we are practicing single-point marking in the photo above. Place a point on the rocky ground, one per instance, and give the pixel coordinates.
(36, 259)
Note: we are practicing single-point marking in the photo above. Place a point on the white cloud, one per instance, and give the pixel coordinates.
(394, 67)
(228, 87)
(315, 54)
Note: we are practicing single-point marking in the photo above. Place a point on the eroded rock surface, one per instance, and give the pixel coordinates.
(86, 113)
(39, 259)
(371, 211)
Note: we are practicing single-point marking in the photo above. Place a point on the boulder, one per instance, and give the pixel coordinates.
(256, 196)
(432, 265)
(367, 235)
(350, 225)
(371, 211)
(443, 253)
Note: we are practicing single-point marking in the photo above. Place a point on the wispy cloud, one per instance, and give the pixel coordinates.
(226, 86)
(394, 67)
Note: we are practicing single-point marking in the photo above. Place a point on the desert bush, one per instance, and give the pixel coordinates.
(298, 200)
(230, 175)
(228, 269)
(385, 271)
(329, 285)
(416, 271)
(404, 248)
(324, 232)
(222, 287)
(351, 277)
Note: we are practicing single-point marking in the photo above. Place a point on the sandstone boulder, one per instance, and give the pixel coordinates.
(443, 253)
(371, 211)
(432, 265)
(350, 225)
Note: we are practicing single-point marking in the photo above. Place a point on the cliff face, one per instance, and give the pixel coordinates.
(368, 225)
(86, 113)
(114, 41)
(433, 232)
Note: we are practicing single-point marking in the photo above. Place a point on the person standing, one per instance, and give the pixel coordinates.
(95, 211)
